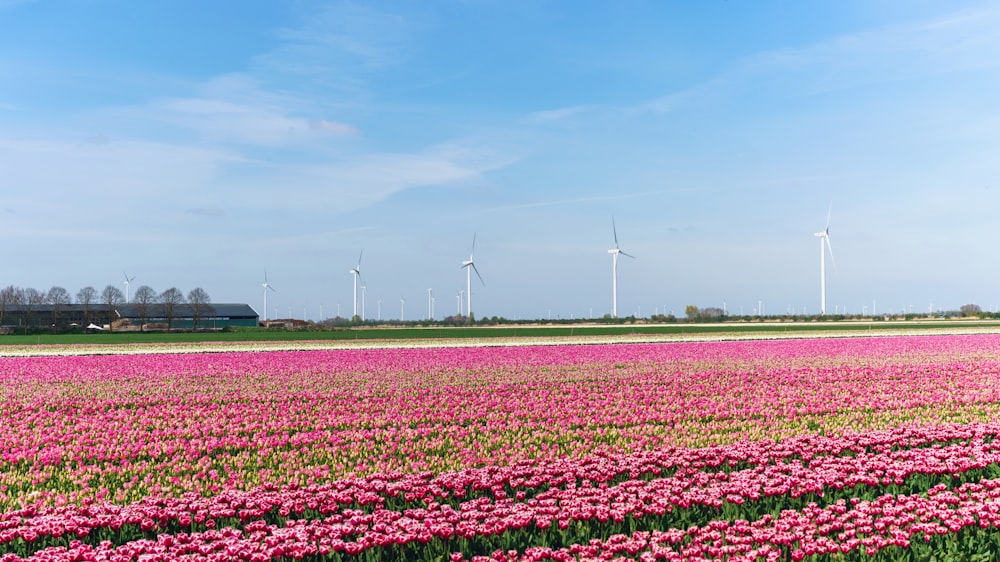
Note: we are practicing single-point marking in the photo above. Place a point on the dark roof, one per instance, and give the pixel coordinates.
(131, 310)
(211, 310)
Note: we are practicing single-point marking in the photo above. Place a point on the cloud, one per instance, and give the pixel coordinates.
(573, 200)
(236, 141)
(233, 110)
(363, 180)
(56, 179)
(333, 127)
(954, 43)
(340, 45)
(559, 114)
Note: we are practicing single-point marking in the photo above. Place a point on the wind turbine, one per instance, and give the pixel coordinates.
(402, 309)
(267, 287)
(824, 246)
(614, 269)
(357, 273)
(470, 266)
(128, 280)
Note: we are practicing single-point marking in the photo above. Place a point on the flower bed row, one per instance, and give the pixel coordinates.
(555, 505)
(507, 453)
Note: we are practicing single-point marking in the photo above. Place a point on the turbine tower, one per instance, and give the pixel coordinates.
(470, 266)
(614, 269)
(356, 271)
(128, 281)
(824, 246)
(267, 287)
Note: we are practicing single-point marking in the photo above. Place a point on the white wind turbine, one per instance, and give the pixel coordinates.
(128, 281)
(824, 246)
(470, 266)
(267, 287)
(357, 273)
(614, 269)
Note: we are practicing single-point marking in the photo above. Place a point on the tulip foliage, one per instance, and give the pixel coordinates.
(824, 449)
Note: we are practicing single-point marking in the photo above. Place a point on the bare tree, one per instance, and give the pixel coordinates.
(86, 297)
(200, 305)
(30, 299)
(144, 298)
(59, 298)
(9, 296)
(111, 296)
(170, 299)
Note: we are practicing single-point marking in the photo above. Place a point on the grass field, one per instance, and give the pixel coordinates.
(500, 332)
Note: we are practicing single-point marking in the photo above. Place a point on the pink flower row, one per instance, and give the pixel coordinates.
(544, 494)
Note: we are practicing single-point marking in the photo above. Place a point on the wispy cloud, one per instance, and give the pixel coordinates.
(559, 114)
(363, 180)
(340, 46)
(333, 127)
(103, 177)
(958, 42)
(238, 110)
(591, 199)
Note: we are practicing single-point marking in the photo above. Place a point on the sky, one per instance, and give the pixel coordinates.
(208, 144)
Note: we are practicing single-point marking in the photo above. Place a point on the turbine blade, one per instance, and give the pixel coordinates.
(473, 252)
(624, 254)
(828, 213)
(614, 230)
(359, 257)
(830, 248)
(476, 269)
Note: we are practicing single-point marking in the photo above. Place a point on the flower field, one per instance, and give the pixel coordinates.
(812, 449)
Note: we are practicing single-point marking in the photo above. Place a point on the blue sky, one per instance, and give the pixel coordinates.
(202, 144)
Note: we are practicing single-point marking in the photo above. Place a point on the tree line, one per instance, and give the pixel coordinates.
(92, 305)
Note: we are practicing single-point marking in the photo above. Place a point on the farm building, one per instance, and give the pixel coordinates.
(129, 316)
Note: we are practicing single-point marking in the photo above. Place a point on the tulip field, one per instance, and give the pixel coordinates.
(877, 448)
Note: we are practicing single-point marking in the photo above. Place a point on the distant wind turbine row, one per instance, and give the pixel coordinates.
(470, 266)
